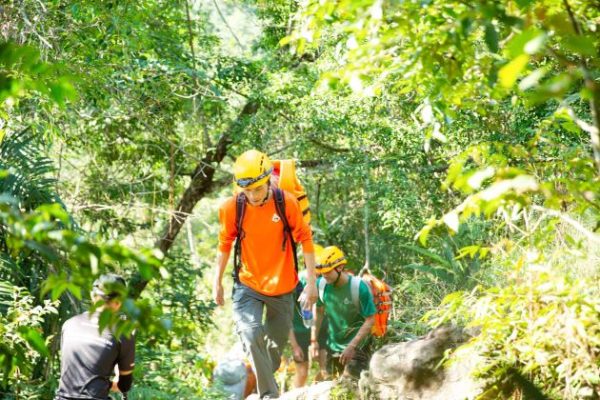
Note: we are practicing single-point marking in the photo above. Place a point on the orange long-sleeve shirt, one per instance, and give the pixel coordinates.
(265, 268)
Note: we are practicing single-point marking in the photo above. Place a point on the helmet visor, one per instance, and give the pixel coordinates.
(322, 268)
(245, 182)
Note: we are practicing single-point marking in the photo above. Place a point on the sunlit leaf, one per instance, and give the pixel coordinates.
(35, 339)
(451, 220)
(510, 72)
(529, 41)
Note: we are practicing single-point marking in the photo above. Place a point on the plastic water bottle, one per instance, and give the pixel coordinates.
(307, 318)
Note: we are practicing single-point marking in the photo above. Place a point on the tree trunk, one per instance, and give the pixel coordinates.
(201, 184)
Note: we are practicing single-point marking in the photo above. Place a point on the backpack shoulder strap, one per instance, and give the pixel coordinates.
(355, 290)
(240, 210)
(280, 207)
(321, 287)
(279, 196)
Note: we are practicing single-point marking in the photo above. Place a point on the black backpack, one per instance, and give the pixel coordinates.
(240, 209)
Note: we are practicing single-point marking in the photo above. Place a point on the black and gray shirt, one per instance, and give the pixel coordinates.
(88, 358)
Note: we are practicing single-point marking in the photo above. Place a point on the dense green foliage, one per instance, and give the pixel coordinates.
(452, 146)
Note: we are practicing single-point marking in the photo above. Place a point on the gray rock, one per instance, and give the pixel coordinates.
(318, 391)
(409, 371)
(413, 371)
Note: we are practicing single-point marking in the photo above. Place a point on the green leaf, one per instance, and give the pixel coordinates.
(62, 91)
(454, 170)
(35, 340)
(524, 4)
(58, 289)
(146, 271)
(452, 297)
(46, 251)
(105, 319)
(527, 42)
(439, 272)
(451, 220)
(582, 45)
(425, 230)
(285, 40)
(6, 289)
(491, 37)
(559, 22)
(428, 254)
(555, 87)
(532, 79)
(470, 251)
(511, 71)
(75, 289)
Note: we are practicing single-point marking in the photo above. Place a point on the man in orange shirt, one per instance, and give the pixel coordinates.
(265, 223)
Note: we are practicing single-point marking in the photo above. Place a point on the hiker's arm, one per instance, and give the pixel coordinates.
(124, 383)
(222, 258)
(314, 333)
(292, 338)
(364, 330)
(310, 290)
(125, 363)
(297, 352)
(302, 233)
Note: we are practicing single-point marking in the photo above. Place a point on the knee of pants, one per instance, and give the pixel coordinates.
(252, 336)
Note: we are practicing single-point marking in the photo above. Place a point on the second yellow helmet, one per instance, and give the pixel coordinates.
(329, 258)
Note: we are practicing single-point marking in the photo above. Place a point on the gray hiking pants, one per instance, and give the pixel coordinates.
(264, 342)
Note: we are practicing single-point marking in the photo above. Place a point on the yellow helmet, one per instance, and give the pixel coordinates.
(252, 169)
(329, 258)
(318, 249)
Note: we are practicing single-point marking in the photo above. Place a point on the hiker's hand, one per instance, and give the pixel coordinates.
(313, 349)
(309, 296)
(218, 293)
(114, 387)
(347, 354)
(298, 354)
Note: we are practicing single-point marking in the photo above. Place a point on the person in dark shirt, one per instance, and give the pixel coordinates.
(88, 356)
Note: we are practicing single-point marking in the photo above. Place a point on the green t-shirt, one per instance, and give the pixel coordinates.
(345, 318)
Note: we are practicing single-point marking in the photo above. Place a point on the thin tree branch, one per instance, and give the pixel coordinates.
(207, 141)
(201, 184)
(591, 236)
(227, 25)
(329, 146)
(572, 17)
(590, 84)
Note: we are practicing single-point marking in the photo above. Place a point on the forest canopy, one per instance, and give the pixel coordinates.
(453, 147)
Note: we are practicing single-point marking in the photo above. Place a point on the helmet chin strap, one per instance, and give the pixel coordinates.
(268, 192)
(338, 277)
(266, 196)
